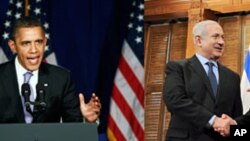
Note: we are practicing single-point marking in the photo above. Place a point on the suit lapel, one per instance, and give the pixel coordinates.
(43, 78)
(198, 68)
(222, 80)
(11, 85)
(43, 81)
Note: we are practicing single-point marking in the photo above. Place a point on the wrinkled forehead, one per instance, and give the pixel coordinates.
(201, 27)
(213, 28)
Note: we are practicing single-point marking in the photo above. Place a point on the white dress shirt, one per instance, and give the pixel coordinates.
(20, 70)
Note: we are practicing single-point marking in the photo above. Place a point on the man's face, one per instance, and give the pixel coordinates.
(29, 44)
(211, 43)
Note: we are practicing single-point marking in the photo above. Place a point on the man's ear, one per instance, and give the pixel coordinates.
(45, 41)
(12, 45)
(197, 39)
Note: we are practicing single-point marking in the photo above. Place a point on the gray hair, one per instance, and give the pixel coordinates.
(199, 28)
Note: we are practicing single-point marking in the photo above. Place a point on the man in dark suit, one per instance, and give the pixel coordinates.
(60, 101)
(199, 90)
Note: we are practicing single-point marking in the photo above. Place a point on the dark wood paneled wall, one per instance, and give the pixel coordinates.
(164, 42)
(156, 58)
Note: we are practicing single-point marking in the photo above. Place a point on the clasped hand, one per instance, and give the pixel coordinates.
(222, 124)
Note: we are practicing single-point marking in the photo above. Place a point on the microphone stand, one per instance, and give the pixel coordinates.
(39, 103)
(26, 94)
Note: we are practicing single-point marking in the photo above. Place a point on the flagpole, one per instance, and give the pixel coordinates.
(26, 8)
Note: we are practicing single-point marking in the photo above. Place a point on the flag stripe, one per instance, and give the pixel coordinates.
(51, 58)
(3, 57)
(129, 96)
(247, 64)
(128, 113)
(114, 132)
(245, 96)
(120, 121)
(245, 84)
(132, 80)
(133, 62)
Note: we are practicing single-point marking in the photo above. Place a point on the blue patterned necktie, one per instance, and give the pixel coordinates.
(28, 115)
(211, 77)
(27, 77)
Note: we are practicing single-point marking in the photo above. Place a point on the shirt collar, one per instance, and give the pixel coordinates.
(204, 60)
(21, 69)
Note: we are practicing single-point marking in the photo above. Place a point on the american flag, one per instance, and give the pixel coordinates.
(16, 10)
(126, 118)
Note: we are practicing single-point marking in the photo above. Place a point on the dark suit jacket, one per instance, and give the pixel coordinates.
(188, 96)
(244, 120)
(60, 95)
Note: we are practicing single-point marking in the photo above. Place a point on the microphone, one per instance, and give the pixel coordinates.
(25, 90)
(41, 96)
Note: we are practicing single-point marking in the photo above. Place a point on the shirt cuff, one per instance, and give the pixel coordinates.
(97, 121)
(211, 120)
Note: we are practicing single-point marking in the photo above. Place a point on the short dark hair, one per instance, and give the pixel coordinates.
(25, 22)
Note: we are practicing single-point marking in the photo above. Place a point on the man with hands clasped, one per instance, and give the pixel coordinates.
(199, 90)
